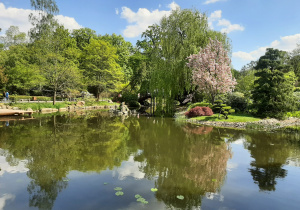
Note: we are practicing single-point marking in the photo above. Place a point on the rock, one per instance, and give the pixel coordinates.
(80, 103)
(62, 109)
(109, 101)
(15, 108)
(29, 110)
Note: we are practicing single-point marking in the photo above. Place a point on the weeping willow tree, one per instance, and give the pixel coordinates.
(177, 36)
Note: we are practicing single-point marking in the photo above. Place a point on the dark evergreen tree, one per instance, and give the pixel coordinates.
(273, 93)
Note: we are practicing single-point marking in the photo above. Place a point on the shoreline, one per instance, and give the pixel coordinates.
(264, 124)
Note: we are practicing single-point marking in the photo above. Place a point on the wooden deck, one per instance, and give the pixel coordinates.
(10, 112)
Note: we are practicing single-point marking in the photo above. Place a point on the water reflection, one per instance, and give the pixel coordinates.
(182, 160)
(270, 155)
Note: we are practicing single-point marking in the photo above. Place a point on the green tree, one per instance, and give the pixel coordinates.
(57, 58)
(124, 51)
(12, 37)
(273, 59)
(100, 67)
(295, 61)
(83, 36)
(168, 45)
(273, 93)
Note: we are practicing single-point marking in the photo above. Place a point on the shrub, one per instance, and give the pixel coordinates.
(200, 104)
(237, 101)
(207, 111)
(222, 109)
(199, 111)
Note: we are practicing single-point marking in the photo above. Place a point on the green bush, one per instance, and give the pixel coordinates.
(222, 109)
(200, 104)
(237, 101)
(38, 98)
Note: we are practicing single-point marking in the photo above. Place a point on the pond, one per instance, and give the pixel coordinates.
(96, 161)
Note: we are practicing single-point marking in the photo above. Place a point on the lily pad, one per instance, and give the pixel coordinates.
(180, 197)
(137, 196)
(118, 188)
(66, 180)
(119, 193)
(142, 200)
(154, 189)
(105, 183)
(214, 180)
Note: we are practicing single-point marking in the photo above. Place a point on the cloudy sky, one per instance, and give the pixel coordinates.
(252, 25)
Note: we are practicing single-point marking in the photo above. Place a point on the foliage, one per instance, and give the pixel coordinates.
(237, 101)
(199, 111)
(293, 114)
(12, 37)
(211, 70)
(201, 104)
(245, 83)
(100, 67)
(273, 93)
(123, 51)
(168, 45)
(38, 98)
(273, 59)
(222, 109)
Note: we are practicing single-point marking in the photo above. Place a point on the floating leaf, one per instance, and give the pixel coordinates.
(66, 180)
(214, 180)
(105, 183)
(137, 196)
(142, 200)
(117, 188)
(119, 193)
(154, 189)
(180, 197)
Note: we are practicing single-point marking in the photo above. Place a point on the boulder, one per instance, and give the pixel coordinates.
(80, 103)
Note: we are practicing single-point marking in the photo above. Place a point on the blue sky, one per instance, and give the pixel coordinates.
(252, 25)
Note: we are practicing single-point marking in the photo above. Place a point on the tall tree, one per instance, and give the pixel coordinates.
(124, 51)
(273, 59)
(273, 93)
(100, 66)
(168, 45)
(58, 61)
(12, 37)
(211, 70)
(83, 36)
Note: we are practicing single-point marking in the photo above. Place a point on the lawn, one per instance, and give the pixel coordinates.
(231, 118)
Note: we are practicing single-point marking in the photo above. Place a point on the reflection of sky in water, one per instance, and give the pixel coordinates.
(130, 168)
(4, 198)
(6, 168)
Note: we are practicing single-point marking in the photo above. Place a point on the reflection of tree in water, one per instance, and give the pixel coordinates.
(197, 129)
(56, 145)
(184, 163)
(270, 152)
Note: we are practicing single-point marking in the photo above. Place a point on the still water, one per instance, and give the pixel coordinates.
(81, 161)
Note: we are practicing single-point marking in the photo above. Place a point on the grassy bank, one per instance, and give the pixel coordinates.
(231, 118)
(41, 105)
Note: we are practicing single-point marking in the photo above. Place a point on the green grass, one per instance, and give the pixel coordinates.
(231, 118)
(41, 105)
(38, 106)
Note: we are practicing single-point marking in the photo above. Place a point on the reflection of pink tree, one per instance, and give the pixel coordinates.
(211, 70)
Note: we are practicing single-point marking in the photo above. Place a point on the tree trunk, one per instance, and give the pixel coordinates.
(54, 97)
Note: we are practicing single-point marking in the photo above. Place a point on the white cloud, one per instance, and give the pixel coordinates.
(130, 168)
(6, 168)
(19, 17)
(212, 1)
(226, 26)
(140, 20)
(117, 11)
(4, 198)
(286, 43)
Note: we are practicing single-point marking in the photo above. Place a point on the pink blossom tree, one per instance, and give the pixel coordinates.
(211, 70)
